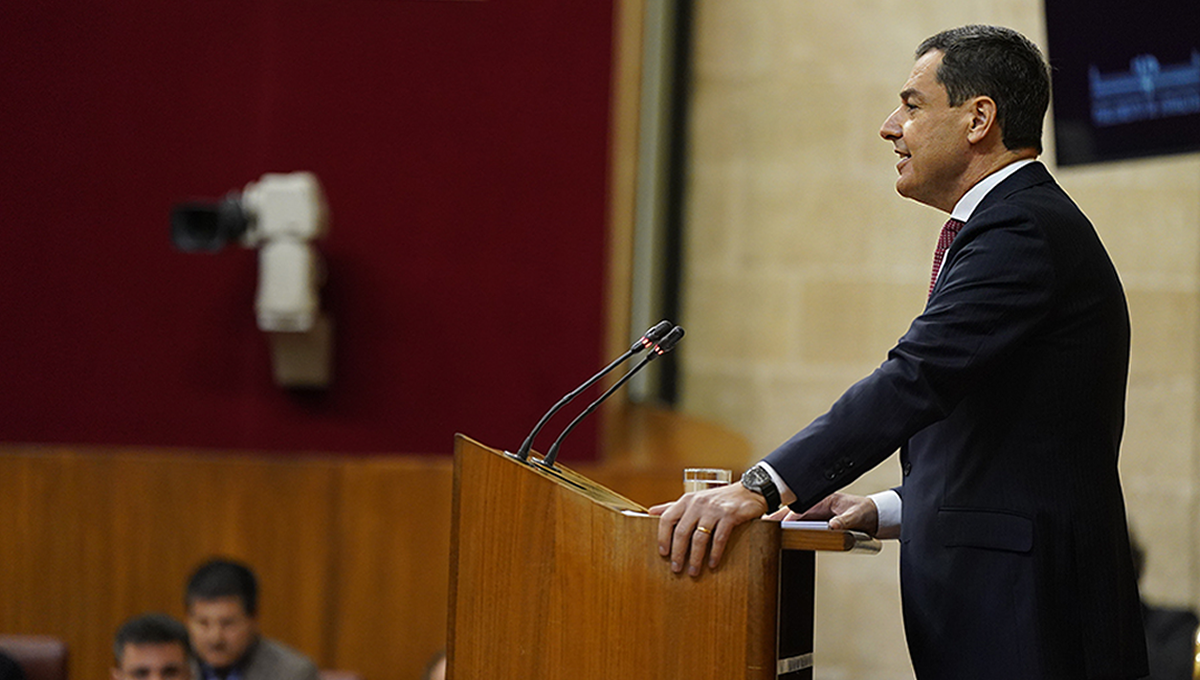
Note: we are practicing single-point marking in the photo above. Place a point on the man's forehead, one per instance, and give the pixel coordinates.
(923, 83)
(141, 654)
(216, 606)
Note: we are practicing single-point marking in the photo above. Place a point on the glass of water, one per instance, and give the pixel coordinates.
(699, 479)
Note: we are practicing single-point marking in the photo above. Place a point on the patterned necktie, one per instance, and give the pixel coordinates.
(949, 231)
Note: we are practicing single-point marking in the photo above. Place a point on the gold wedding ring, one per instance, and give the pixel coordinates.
(704, 529)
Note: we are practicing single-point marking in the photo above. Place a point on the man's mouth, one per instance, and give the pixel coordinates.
(904, 158)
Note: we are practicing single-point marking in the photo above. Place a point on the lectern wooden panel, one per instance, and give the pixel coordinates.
(554, 576)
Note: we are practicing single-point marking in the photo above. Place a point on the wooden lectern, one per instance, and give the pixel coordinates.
(553, 576)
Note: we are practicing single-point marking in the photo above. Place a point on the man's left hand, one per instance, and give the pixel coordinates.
(700, 523)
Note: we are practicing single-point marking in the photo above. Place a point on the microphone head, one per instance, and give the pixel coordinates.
(651, 336)
(668, 343)
(659, 331)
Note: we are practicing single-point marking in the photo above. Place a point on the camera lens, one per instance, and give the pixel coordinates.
(200, 226)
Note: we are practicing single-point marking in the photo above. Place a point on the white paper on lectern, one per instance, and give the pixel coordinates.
(794, 524)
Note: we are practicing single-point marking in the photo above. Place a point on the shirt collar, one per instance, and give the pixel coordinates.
(974, 196)
(234, 672)
(210, 673)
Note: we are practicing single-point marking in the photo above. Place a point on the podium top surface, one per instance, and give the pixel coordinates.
(790, 538)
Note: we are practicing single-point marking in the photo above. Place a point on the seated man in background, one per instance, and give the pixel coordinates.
(1172, 633)
(222, 611)
(9, 668)
(436, 668)
(151, 647)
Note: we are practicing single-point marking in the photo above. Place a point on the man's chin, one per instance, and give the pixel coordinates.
(218, 662)
(908, 189)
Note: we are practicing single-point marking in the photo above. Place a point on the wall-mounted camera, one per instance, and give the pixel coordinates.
(281, 215)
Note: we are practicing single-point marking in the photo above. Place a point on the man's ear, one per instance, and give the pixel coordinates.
(116, 673)
(983, 118)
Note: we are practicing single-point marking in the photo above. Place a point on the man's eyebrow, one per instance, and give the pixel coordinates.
(910, 93)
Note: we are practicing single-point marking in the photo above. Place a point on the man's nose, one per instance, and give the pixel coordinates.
(891, 130)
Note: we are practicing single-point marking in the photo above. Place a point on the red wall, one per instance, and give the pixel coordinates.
(463, 151)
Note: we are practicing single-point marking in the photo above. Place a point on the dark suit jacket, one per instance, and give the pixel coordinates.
(1171, 641)
(10, 669)
(1006, 397)
(271, 660)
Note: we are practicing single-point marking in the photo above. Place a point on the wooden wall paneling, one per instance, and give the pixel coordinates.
(35, 570)
(58, 568)
(393, 566)
(151, 529)
(103, 584)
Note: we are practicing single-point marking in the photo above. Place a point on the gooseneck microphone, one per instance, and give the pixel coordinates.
(648, 340)
(668, 343)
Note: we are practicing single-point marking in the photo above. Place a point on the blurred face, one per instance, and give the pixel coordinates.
(930, 137)
(166, 661)
(438, 672)
(220, 630)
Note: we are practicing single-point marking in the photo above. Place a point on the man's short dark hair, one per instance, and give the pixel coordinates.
(1002, 64)
(149, 629)
(224, 578)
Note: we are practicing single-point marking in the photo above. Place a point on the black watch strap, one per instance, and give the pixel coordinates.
(758, 480)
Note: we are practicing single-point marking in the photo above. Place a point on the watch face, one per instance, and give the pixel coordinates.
(759, 481)
(756, 477)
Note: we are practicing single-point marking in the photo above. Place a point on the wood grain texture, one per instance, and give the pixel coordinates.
(394, 530)
(547, 581)
(824, 539)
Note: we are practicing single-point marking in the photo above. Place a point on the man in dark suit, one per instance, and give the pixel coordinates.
(1005, 398)
(222, 621)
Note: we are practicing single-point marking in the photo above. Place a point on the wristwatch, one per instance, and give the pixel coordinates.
(758, 480)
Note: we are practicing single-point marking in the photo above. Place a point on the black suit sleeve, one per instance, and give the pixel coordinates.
(994, 290)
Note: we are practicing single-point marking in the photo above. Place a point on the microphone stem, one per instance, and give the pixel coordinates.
(523, 452)
(548, 461)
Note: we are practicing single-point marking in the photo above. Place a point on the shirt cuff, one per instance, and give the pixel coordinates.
(889, 505)
(786, 497)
